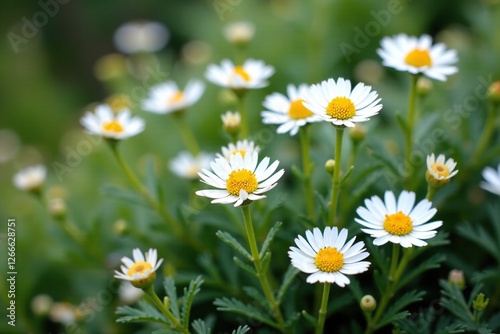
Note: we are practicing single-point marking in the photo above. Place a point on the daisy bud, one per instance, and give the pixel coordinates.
(494, 92)
(457, 277)
(57, 208)
(231, 121)
(368, 303)
(357, 134)
(120, 227)
(330, 166)
(41, 304)
(424, 86)
(239, 33)
(479, 304)
(118, 102)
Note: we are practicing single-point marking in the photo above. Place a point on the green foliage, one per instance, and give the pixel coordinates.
(246, 310)
(144, 312)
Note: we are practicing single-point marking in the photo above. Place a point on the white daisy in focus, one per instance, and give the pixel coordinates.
(492, 180)
(239, 33)
(167, 97)
(327, 256)
(140, 36)
(128, 293)
(239, 179)
(288, 111)
(439, 172)
(242, 147)
(187, 166)
(31, 178)
(141, 270)
(398, 222)
(251, 75)
(418, 55)
(103, 122)
(334, 102)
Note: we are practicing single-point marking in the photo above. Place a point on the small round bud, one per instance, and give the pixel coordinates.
(57, 208)
(435, 183)
(357, 134)
(457, 277)
(41, 304)
(231, 121)
(368, 303)
(239, 33)
(120, 227)
(330, 166)
(494, 92)
(424, 86)
(63, 313)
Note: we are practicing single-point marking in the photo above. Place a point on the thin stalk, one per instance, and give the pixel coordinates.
(322, 310)
(409, 130)
(307, 170)
(150, 292)
(336, 176)
(241, 108)
(489, 126)
(261, 275)
(394, 261)
(431, 191)
(187, 134)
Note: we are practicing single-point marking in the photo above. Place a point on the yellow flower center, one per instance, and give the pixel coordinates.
(398, 224)
(440, 169)
(241, 179)
(240, 71)
(418, 58)
(177, 97)
(298, 110)
(341, 108)
(329, 259)
(241, 151)
(112, 126)
(139, 268)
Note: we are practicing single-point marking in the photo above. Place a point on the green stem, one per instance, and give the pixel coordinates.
(487, 132)
(307, 170)
(261, 275)
(242, 110)
(322, 310)
(187, 134)
(431, 191)
(336, 176)
(409, 130)
(150, 292)
(171, 221)
(394, 261)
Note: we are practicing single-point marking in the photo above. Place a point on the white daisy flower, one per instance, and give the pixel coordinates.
(242, 146)
(398, 222)
(141, 270)
(327, 256)
(187, 166)
(231, 121)
(30, 178)
(439, 171)
(140, 36)
(251, 75)
(418, 55)
(288, 111)
(239, 179)
(335, 102)
(240, 32)
(167, 97)
(492, 177)
(105, 123)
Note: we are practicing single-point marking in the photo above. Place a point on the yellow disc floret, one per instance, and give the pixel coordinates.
(298, 111)
(241, 179)
(177, 97)
(398, 224)
(329, 260)
(112, 126)
(418, 58)
(241, 151)
(341, 108)
(139, 268)
(240, 71)
(441, 170)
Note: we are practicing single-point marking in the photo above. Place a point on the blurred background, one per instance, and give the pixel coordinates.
(59, 58)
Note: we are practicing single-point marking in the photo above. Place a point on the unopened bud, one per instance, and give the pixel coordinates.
(120, 227)
(330, 166)
(357, 134)
(368, 303)
(457, 277)
(479, 304)
(57, 208)
(239, 33)
(494, 92)
(424, 86)
(231, 121)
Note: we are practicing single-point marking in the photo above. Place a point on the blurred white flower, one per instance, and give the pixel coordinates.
(140, 36)
(187, 166)
(231, 121)
(63, 313)
(239, 33)
(418, 55)
(41, 304)
(251, 75)
(242, 147)
(104, 123)
(167, 97)
(30, 178)
(492, 180)
(128, 293)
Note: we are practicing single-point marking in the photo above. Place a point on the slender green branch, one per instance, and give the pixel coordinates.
(261, 275)
(336, 176)
(394, 261)
(187, 134)
(322, 311)
(241, 108)
(489, 126)
(307, 170)
(410, 125)
(431, 191)
(150, 292)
